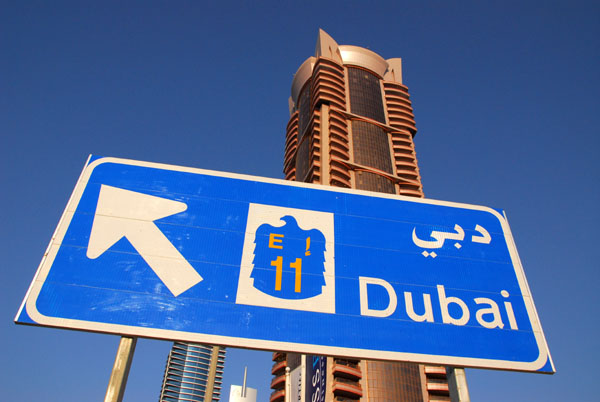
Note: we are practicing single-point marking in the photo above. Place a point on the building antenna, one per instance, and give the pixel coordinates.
(244, 386)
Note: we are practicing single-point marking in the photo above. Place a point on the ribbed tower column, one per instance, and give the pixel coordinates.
(352, 125)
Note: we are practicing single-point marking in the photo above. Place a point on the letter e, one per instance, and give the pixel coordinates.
(275, 238)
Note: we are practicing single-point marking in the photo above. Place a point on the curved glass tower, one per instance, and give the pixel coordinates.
(352, 125)
(188, 372)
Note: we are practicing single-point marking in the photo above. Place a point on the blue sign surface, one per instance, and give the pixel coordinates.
(161, 251)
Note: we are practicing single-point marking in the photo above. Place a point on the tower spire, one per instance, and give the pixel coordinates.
(327, 47)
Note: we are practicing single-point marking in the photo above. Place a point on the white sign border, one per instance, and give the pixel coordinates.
(29, 302)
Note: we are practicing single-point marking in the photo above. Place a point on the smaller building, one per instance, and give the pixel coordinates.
(239, 393)
(192, 371)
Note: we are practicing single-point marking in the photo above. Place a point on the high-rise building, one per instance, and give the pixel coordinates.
(190, 368)
(352, 125)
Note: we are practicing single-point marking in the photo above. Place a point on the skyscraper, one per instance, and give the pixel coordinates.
(188, 372)
(352, 125)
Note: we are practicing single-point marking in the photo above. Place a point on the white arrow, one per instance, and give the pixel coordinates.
(123, 213)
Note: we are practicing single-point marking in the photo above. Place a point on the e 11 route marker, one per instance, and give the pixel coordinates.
(169, 252)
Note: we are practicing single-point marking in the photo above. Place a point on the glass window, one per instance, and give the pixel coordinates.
(302, 160)
(374, 182)
(371, 146)
(303, 110)
(365, 94)
(395, 382)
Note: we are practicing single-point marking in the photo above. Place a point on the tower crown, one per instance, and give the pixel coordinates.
(347, 55)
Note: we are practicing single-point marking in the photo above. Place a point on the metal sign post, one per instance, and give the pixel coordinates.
(120, 371)
(212, 372)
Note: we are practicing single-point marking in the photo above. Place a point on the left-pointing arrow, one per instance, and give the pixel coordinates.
(123, 213)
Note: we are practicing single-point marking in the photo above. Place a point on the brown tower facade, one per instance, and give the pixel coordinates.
(351, 122)
(352, 125)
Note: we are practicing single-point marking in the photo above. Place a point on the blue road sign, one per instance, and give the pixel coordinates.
(160, 251)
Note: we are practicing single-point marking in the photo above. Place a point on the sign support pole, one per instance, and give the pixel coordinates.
(212, 372)
(288, 386)
(120, 371)
(457, 384)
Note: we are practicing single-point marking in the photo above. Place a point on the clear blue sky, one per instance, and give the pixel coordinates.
(506, 103)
